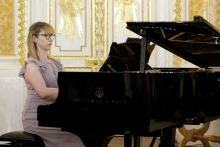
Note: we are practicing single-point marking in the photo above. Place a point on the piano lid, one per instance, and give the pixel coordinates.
(196, 41)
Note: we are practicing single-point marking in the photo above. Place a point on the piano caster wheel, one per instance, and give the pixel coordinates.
(188, 135)
(14, 144)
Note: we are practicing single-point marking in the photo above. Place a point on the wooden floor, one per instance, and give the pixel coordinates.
(119, 142)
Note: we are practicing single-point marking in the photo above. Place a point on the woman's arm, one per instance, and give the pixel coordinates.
(33, 75)
(63, 69)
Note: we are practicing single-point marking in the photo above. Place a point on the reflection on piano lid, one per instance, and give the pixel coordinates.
(126, 56)
(196, 41)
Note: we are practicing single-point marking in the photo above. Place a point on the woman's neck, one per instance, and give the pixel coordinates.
(42, 55)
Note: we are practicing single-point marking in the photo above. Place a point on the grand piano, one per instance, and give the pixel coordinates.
(128, 97)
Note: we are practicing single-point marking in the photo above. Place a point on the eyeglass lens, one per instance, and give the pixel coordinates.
(48, 36)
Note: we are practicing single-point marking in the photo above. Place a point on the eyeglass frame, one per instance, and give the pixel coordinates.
(45, 35)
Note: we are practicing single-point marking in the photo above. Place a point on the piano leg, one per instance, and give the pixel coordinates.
(188, 135)
(168, 137)
(153, 141)
(127, 140)
(138, 141)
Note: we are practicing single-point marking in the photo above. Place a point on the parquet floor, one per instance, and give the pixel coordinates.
(119, 142)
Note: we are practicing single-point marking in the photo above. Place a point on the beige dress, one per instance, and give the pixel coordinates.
(53, 137)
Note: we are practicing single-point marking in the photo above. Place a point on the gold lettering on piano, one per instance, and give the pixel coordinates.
(98, 101)
(118, 102)
(76, 100)
(99, 92)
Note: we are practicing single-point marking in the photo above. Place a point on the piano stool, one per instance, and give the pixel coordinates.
(21, 139)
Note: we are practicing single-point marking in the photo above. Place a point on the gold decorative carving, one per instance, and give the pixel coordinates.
(60, 46)
(177, 11)
(92, 30)
(92, 62)
(71, 56)
(148, 10)
(177, 61)
(78, 67)
(70, 9)
(106, 53)
(209, 9)
(125, 11)
(113, 20)
(97, 28)
(95, 35)
(177, 16)
(102, 28)
(50, 12)
(22, 32)
(6, 28)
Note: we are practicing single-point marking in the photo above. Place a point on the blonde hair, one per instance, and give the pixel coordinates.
(35, 29)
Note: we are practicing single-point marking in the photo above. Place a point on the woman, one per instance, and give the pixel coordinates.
(40, 74)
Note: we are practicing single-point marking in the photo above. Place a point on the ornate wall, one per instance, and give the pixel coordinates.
(12, 94)
(95, 24)
(7, 28)
(208, 9)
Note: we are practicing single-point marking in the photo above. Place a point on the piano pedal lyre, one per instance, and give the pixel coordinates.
(189, 135)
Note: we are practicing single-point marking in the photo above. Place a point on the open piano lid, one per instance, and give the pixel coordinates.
(196, 41)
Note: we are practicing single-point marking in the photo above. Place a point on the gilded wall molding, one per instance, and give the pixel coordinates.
(91, 32)
(71, 12)
(50, 12)
(95, 31)
(79, 67)
(6, 28)
(125, 11)
(208, 9)
(137, 9)
(79, 28)
(148, 10)
(97, 34)
(101, 33)
(177, 16)
(94, 62)
(102, 28)
(22, 32)
(107, 27)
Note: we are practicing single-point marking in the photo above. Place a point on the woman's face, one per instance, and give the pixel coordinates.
(43, 40)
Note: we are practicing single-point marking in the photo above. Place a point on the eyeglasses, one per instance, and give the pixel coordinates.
(47, 36)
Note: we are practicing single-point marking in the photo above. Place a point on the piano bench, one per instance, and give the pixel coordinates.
(22, 139)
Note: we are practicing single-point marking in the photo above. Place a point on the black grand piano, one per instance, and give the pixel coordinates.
(129, 97)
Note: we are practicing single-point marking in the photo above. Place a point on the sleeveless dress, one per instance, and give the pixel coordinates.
(53, 137)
